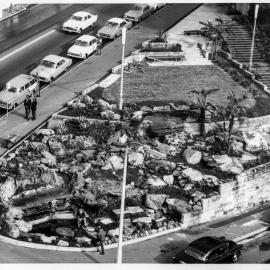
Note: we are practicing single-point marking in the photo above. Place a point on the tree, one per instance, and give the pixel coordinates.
(203, 105)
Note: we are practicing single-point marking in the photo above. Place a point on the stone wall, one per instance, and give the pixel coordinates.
(250, 189)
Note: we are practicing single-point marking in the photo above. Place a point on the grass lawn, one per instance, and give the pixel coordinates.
(171, 84)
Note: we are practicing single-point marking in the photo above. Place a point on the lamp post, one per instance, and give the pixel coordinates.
(124, 31)
(253, 36)
(122, 209)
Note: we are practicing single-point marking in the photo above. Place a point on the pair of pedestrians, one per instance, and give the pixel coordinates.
(30, 105)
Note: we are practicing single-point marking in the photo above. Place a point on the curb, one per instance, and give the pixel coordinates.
(13, 14)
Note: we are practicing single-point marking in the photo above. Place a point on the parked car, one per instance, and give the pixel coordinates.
(50, 67)
(210, 249)
(79, 21)
(113, 28)
(15, 90)
(157, 6)
(139, 12)
(83, 46)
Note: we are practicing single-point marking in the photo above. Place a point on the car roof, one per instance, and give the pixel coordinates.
(20, 80)
(86, 38)
(53, 58)
(141, 5)
(116, 20)
(81, 13)
(206, 244)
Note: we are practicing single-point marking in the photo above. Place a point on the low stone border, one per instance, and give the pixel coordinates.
(162, 231)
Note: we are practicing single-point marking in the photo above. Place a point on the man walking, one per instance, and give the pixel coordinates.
(27, 106)
(34, 107)
(99, 42)
(101, 239)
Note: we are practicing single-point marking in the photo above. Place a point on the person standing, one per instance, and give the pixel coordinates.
(34, 108)
(101, 239)
(27, 106)
(99, 42)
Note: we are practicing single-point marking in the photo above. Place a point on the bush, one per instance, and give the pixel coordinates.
(245, 83)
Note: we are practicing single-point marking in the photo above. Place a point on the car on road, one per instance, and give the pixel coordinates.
(50, 67)
(210, 249)
(83, 46)
(113, 28)
(157, 6)
(79, 21)
(16, 90)
(139, 12)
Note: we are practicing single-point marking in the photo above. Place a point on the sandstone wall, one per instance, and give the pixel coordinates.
(250, 189)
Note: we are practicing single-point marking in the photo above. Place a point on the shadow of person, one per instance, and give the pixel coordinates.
(90, 257)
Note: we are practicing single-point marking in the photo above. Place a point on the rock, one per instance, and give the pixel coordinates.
(247, 157)
(168, 179)
(136, 159)
(113, 163)
(235, 167)
(48, 158)
(166, 149)
(192, 156)
(176, 138)
(38, 146)
(113, 232)
(45, 132)
(62, 243)
(153, 153)
(192, 174)
(14, 213)
(163, 165)
(178, 205)
(155, 181)
(255, 141)
(11, 229)
(23, 226)
(56, 147)
(83, 239)
(64, 231)
(211, 179)
(7, 189)
(145, 220)
(137, 115)
(155, 201)
(237, 147)
(146, 109)
(110, 115)
(47, 239)
(188, 186)
(104, 104)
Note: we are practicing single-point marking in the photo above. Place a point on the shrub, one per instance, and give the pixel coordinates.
(245, 83)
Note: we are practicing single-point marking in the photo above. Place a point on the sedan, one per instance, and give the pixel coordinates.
(83, 46)
(139, 12)
(210, 249)
(113, 28)
(50, 67)
(79, 21)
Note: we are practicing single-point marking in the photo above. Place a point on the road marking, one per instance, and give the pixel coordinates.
(27, 45)
(245, 241)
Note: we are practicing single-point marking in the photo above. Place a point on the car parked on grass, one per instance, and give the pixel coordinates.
(113, 28)
(50, 67)
(139, 12)
(15, 90)
(83, 46)
(210, 249)
(79, 21)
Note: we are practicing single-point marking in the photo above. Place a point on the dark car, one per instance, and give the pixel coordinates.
(210, 249)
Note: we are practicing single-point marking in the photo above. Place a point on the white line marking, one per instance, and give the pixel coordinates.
(27, 45)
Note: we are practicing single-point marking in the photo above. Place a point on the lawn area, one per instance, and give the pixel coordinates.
(171, 84)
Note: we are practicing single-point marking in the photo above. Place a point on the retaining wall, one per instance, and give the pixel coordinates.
(250, 189)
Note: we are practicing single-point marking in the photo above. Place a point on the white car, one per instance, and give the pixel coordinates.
(79, 21)
(139, 12)
(50, 67)
(113, 28)
(83, 46)
(16, 90)
(157, 6)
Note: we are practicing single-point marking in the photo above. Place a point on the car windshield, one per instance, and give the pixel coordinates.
(76, 18)
(193, 252)
(137, 8)
(112, 24)
(81, 43)
(12, 89)
(46, 63)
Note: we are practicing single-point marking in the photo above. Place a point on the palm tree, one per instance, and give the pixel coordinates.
(203, 105)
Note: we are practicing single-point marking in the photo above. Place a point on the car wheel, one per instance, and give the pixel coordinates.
(80, 30)
(50, 80)
(235, 257)
(85, 56)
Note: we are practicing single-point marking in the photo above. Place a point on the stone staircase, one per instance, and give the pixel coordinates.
(238, 38)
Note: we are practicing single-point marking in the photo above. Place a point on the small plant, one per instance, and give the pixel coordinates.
(62, 129)
(83, 123)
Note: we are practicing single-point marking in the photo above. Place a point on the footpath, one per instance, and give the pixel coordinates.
(157, 250)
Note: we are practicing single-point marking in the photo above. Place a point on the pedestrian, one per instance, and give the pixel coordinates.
(101, 238)
(27, 106)
(81, 219)
(34, 107)
(99, 42)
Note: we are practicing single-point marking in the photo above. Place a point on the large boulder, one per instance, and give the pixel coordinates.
(48, 159)
(7, 189)
(192, 156)
(256, 141)
(38, 146)
(14, 213)
(83, 240)
(155, 201)
(247, 157)
(56, 147)
(23, 226)
(166, 149)
(47, 239)
(62, 243)
(45, 132)
(210, 180)
(113, 163)
(142, 220)
(192, 174)
(178, 205)
(161, 165)
(135, 159)
(168, 179)
(64, 231)
(11, 229)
